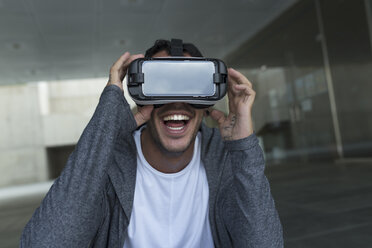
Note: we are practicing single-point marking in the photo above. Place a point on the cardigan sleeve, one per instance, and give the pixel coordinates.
(71, 212)
(249, 212)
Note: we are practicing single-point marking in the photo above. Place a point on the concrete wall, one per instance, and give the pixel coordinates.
(22, 153)
(38, 115)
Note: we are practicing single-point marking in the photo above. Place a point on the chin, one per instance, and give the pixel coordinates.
(176, 146)
(172, 145)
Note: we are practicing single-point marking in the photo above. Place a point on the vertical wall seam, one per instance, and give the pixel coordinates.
(329, 81)
(367, 5)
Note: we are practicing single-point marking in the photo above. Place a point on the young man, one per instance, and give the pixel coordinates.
(161, 178)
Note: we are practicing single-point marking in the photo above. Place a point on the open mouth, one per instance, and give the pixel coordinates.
(176, 122)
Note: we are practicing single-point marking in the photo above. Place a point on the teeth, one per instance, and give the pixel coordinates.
(176, 118)
(176, 128)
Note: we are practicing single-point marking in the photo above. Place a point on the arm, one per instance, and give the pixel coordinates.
(248, 208)
(71, 212)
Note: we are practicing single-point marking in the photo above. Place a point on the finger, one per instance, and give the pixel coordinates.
(231, 87)
(218, 116)
(143, 114)
(124, 61)
(248, 91)
(233, 90)
(237, 77)
(243, 88)
(131, 58)
(123, 69)
(119, 63)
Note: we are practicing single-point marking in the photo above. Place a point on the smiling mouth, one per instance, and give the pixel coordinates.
(176, 122)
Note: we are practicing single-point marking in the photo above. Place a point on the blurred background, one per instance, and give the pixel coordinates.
(310, 62)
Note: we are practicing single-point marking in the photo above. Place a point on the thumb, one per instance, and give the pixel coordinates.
(143, 114)
(217, 115)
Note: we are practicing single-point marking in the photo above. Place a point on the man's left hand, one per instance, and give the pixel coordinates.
(238, 123)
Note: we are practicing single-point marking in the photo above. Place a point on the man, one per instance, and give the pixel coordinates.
(161, 178)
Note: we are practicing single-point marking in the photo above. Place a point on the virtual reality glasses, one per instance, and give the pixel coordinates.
(197, 81)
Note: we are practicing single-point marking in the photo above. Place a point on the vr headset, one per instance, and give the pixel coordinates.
(200, 82)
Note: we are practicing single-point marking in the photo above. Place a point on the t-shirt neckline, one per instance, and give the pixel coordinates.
(137, 138)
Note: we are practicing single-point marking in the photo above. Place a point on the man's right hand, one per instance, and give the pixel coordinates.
(119, 69)
(117, 74)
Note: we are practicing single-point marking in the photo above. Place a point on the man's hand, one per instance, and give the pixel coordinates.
(238, 124)
(119, 69)
(117, 74)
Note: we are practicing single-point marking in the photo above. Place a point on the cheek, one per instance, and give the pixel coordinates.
(200, 114)
(153, 118)
(154, 113)
(199, 117)
(152, 123)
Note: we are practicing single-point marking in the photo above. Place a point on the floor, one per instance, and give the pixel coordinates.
(13, 217)
(320, 205)
(324, 204)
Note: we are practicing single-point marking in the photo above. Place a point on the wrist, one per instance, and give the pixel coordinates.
(119, 84)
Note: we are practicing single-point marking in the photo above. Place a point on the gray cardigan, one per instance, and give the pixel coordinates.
(90, 204)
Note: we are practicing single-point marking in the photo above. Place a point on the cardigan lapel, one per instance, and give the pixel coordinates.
(208, 156)
(213, 157)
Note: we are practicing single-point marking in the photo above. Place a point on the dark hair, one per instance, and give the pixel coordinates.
(165, 45)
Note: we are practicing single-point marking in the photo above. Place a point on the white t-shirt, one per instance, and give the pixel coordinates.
(170, 210)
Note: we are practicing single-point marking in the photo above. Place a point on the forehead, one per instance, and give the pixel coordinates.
(166, 54)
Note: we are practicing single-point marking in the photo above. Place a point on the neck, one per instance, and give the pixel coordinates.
(161, 160)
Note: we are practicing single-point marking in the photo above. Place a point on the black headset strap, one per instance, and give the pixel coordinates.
(176, 47)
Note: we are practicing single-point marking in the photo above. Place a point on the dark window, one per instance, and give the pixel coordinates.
(57, 158)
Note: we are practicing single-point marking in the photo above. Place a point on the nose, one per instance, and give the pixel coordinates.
(179, 105)
(176, 106)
